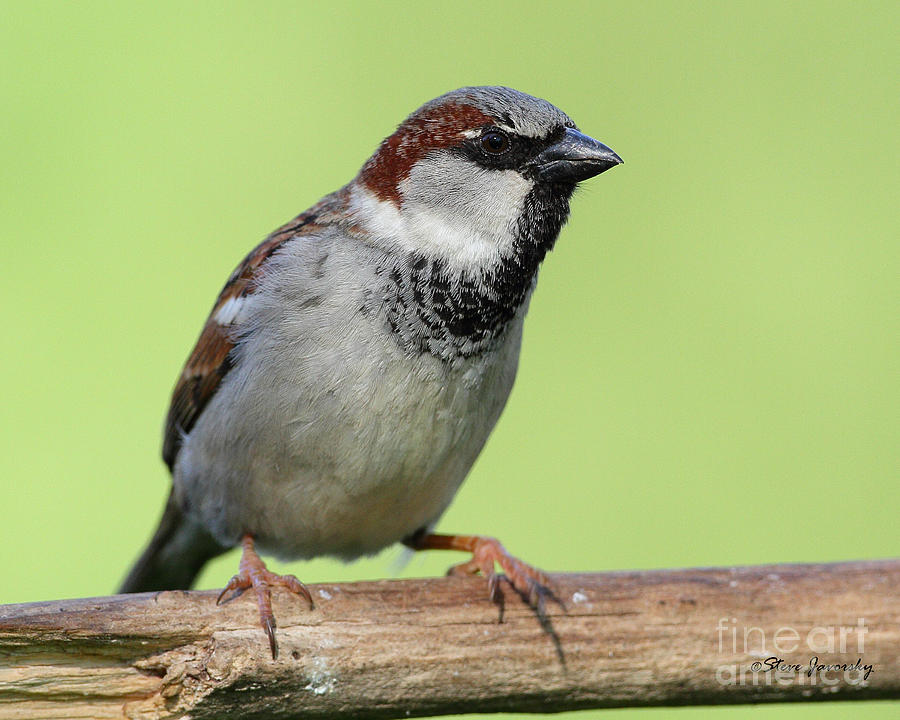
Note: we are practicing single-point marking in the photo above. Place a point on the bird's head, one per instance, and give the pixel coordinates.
(473, 175)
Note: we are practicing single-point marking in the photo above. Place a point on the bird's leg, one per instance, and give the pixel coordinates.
(252, 572)
(531, 583)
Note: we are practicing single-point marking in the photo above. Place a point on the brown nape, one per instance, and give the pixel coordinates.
(438, 127)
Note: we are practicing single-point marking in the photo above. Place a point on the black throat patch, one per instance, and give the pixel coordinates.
(433, 310)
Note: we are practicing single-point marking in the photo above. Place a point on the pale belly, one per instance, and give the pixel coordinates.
(341, 452)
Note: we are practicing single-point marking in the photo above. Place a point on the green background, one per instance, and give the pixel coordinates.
(709, 370)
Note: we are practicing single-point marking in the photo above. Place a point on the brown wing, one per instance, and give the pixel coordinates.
(210, 360)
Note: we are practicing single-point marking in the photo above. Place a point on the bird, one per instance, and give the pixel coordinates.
(358, 358)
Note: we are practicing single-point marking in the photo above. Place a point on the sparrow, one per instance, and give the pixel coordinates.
(356, 360)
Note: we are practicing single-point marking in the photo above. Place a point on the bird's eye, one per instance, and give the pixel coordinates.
(494, 142)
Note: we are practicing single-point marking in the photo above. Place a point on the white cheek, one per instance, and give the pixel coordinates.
(451, 210)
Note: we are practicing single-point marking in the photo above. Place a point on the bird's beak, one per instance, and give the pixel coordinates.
(575, 158)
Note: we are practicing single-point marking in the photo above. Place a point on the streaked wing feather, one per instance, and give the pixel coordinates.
(210, 360)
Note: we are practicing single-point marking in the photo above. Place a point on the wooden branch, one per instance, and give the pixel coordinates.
(428, 647)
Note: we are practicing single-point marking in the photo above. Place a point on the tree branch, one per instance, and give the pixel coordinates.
(429, 647)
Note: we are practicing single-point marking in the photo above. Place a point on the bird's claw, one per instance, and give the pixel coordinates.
(254, 574)
(532, 584)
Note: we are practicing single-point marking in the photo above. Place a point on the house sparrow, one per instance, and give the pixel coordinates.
(356, 361)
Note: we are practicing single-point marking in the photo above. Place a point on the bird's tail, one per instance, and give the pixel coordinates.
(177, 552)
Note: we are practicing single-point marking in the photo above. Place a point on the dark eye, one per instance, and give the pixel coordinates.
(494, 142)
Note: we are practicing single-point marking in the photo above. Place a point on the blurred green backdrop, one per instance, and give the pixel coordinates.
(709, 372)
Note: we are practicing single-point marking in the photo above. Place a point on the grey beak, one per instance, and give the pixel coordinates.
(575, 158)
